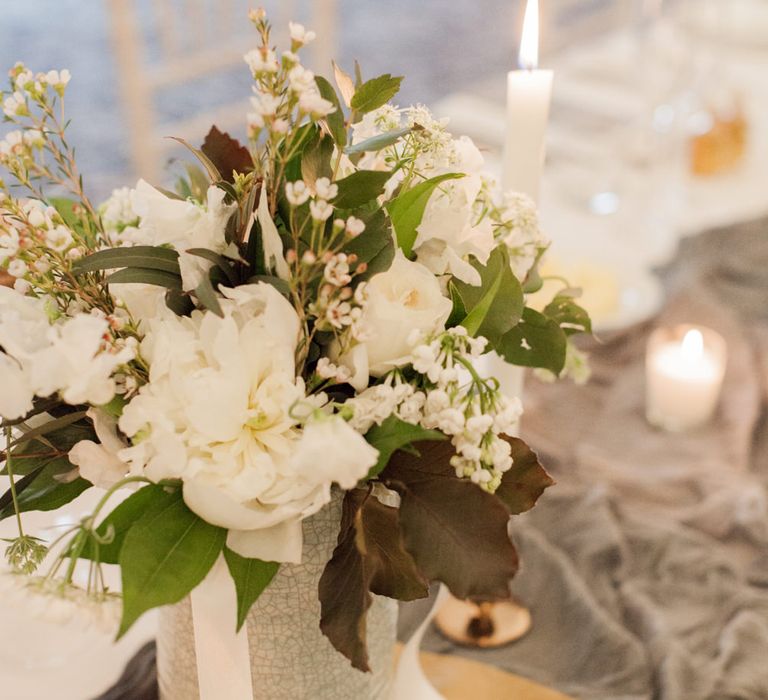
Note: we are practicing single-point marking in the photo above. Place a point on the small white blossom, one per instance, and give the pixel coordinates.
(310, 102)
(337, 271)
(354, 226)
(324, 189)
(59, 238)
(296, 192)
(301, 80)
(320, 210)
(17, 268)
(300, 35)
(15, 105)
(260, 62)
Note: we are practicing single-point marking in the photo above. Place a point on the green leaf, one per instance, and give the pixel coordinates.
(222, 263)
(335, 119)
(251, 577)
(571, 317)
(164, 556)
(206, 295)
(316, 160)
(226, 154)
(50, 426)
(395, 434)
(142, 275)
(458, 312)
(46, 488)
(407, 209)
(150, 257)
(524, 483)
(374, 246)
(359, 188)
(179, 302)
(536, 341)
(455, 531)
(376, 143)
(496, 304)
(142, 504)
(375, 93)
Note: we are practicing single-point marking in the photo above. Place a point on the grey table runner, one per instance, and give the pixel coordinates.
(646, 567)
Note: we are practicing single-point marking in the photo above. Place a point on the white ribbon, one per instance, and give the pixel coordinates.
(410, 681)
(223, 658)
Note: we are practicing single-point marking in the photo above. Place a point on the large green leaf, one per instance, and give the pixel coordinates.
(375, 93)
(496, 304)
(359, 188)
(455, 531)
(395, 434)
(141, 504)
(524, 483)
(251, 577)
(227, 155)
(407, 209)
(376, 143)
(335, 119)
(536, 341)
(164, 556)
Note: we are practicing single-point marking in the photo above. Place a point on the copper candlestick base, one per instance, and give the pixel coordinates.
(483, 625)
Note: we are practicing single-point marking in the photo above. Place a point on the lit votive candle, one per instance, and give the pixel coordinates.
(685, 366)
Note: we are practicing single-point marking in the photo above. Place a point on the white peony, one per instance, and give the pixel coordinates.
(98, 462)
(183, 225)
(219, 412)
(405, 298)
(450, 231)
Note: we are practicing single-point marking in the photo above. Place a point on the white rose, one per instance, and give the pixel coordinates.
(449, 231)
(183, 225)
(405, 298)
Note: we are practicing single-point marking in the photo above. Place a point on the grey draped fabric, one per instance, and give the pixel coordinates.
(646, 566)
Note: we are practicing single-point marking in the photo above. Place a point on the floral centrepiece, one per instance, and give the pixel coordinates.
(304, 313)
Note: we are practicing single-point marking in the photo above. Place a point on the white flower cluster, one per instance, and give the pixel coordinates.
(120, 220)
(275, 98)
(28, 85)
(448, 396)
(75, 356)
(516, 221)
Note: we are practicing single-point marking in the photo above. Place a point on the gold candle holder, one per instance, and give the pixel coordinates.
(483, 625)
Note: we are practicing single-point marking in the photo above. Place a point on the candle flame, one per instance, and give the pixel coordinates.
(693, 345)
(529, 44)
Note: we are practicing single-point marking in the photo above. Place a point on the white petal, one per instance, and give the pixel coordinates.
(281, 543)
(273, 246)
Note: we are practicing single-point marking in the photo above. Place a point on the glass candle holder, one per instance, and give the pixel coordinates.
(685, 366)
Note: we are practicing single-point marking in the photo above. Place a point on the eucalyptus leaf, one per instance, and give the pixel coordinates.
(251, 577)
(142, 275)
(149, 257)
(407, 209)
(206, 295)
(222, 263)
(207, 163)
(165, 554)
(376, 143)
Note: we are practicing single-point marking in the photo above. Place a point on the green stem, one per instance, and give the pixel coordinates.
(14, 497)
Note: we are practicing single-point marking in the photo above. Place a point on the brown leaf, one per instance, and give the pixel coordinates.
(345, 84)
(522, 485)
(343, 592)
(394, 573)
(369, 557)
(227, 154)
(455, 531)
